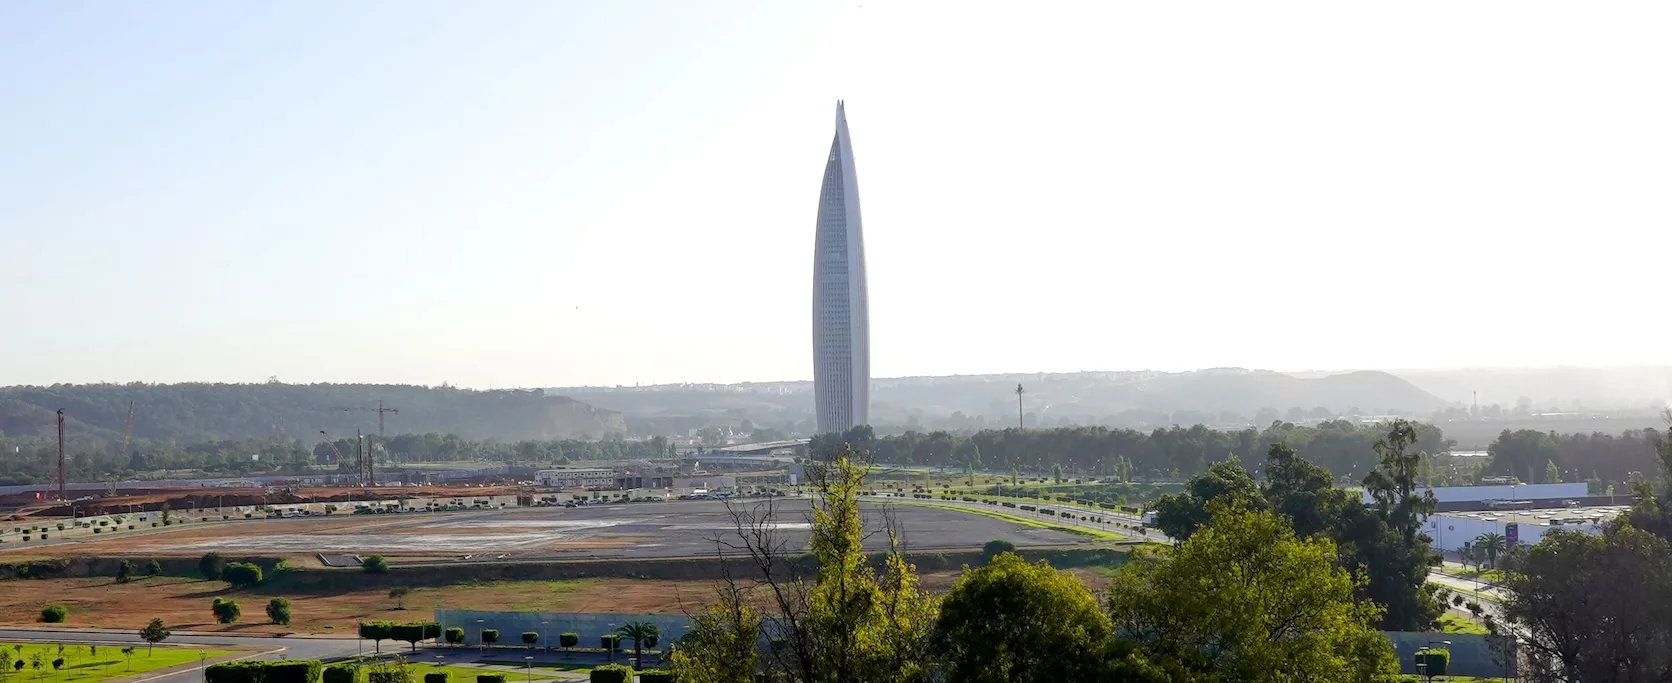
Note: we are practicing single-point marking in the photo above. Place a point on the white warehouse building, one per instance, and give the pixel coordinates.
(1470, 494)
(1450, 530)
(577, 478)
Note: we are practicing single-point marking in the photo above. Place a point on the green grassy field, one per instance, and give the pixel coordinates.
(82, 664)
(1453, 623)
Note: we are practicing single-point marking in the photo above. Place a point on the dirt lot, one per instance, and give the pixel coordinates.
(184, 603)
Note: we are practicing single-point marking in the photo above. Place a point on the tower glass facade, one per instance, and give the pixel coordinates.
(841, 316)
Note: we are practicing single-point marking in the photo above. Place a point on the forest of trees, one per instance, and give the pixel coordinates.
(274, 410)
(1342, 447)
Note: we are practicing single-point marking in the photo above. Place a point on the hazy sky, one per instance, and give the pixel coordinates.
(556, 193)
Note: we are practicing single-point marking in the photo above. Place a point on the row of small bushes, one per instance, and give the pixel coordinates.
(616, 673)
(285, 671)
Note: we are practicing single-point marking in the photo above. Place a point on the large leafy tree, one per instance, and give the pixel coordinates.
(721, 646)
(1014, 622)
(1244, 599)
(1178, 515)
(1593, 607)
(842, 620)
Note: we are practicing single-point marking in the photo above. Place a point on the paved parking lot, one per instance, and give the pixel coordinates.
(641, 530)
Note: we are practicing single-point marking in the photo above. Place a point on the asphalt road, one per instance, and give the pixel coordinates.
(281, 648)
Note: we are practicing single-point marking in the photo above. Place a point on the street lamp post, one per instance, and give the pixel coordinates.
(543, 641)
(528, 663)
(203, 664)
(482, 645)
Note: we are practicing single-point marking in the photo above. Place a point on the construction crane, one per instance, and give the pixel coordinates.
(338, 454)
(381, 411)
(127, 436)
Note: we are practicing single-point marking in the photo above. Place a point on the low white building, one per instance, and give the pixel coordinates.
(577, 477)
(1450, 530)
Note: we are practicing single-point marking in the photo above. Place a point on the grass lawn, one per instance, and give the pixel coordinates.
(84, 665)
(1454, 623)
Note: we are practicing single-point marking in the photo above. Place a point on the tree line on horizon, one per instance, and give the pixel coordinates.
(1344, 448)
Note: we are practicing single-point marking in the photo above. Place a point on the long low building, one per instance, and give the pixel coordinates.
(1450, 530)
(1481, 494)
(578, 477)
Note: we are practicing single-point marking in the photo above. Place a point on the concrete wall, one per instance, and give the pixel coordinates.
(1471, 654)
(590, 627)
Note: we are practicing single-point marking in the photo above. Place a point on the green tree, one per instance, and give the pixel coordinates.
(278, 611)
(54, 614)
(225, 611)
(210, 565)
(374, 564)
(1552, 475)
(1593, 607)
(530, 638)
(153, 568)
(1492, 545)
(124, 571)
(152, 634)
(398, 594)
(643, 634)
(379, 631)
(847, 622)
(993, 548)
(241, 574)
(1178, 515)
(1013, 622)
(721, 645)
(1244, 599)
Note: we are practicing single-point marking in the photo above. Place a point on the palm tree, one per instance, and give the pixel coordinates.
(643, 634)
(1493, 544)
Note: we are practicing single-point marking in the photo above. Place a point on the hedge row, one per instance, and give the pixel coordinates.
(289, 671)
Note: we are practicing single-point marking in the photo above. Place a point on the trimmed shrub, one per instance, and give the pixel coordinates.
(610, 642)
(455, 635)
(285, 671)
(490, 678)
(568, 639)
(341, 674)
(530, 637)
(54, 614)
(612, 673)
(241, 574)
(225, 611)
(437, 677)
(655, 676)
(1436, 659)
(278, 611)
(991, 549)
(490, 636)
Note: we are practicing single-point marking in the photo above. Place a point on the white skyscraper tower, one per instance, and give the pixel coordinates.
(841, 315)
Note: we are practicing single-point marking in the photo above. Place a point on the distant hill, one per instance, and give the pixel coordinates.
(1561, 388)
(196, 412)
(1114, 398)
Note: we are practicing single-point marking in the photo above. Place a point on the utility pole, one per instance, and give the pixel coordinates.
(1019, 392)
(61, 495)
